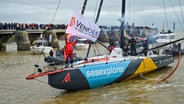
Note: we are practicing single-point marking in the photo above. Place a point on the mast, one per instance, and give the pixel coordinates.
(99, 10)
(122, 23)
(123, 16)
(84, 6)
(82, 12)
(98, 14)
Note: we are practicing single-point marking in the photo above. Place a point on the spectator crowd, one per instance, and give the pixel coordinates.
(31, 26)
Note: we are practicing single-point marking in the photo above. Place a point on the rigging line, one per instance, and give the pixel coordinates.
(95, 10)
(97, 49)
(176, 15)
(134, 14)
(165, 15)
(144, 20)
(129, 11)
(140, 12)
(181, 11)
(136, 10)
(41, 81)
(56, 11)
(144, 10)
(39, 57)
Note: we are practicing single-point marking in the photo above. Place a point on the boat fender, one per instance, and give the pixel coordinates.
(39, 70)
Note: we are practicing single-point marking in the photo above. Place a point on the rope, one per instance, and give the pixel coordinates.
(97, 49)
(39, 56)
(174, 68)
(129, 12)
(181, 11)
(41, 81)
(165, 15)
(56, 11)
(176, 15)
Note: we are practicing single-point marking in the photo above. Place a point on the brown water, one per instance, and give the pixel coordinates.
(15, 89)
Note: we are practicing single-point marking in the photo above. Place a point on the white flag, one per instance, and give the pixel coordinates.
(81, 27)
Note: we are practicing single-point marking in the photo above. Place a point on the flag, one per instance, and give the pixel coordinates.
(81, 27)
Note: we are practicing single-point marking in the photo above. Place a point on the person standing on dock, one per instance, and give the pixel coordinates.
(50, 40)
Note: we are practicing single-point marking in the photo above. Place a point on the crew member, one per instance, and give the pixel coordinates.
(145, 47)
(68, 50)
(124, 45)
(111, 46)
(132, 43)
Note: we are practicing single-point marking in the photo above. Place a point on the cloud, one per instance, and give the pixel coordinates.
(141, 12)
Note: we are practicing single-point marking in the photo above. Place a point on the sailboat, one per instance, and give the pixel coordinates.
(103, 70)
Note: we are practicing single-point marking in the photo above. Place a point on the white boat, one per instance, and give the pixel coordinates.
(165, 37)
(82, 44)
(41, 46)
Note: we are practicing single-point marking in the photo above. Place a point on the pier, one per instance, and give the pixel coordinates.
(25, 38)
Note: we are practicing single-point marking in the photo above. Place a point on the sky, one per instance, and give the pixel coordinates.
(140, 12)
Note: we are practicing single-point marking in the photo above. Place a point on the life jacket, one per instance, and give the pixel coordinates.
(70, 42)
(69, 48)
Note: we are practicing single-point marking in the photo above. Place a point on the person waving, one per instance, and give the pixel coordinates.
(70, 41)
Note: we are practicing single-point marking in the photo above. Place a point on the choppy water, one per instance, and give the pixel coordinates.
(15, 89)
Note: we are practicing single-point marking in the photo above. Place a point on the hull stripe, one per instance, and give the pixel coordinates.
(131, 69)
(103, 74)
(144, 68)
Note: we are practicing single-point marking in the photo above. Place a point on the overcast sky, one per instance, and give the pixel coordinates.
(141, 12)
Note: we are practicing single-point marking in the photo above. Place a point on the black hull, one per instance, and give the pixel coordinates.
(71, 83)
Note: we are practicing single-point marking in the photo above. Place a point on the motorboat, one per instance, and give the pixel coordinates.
(41, 46)
(165, 37)
(82, 44)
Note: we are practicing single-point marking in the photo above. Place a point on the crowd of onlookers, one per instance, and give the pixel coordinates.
(31, 26)
(35, 26)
